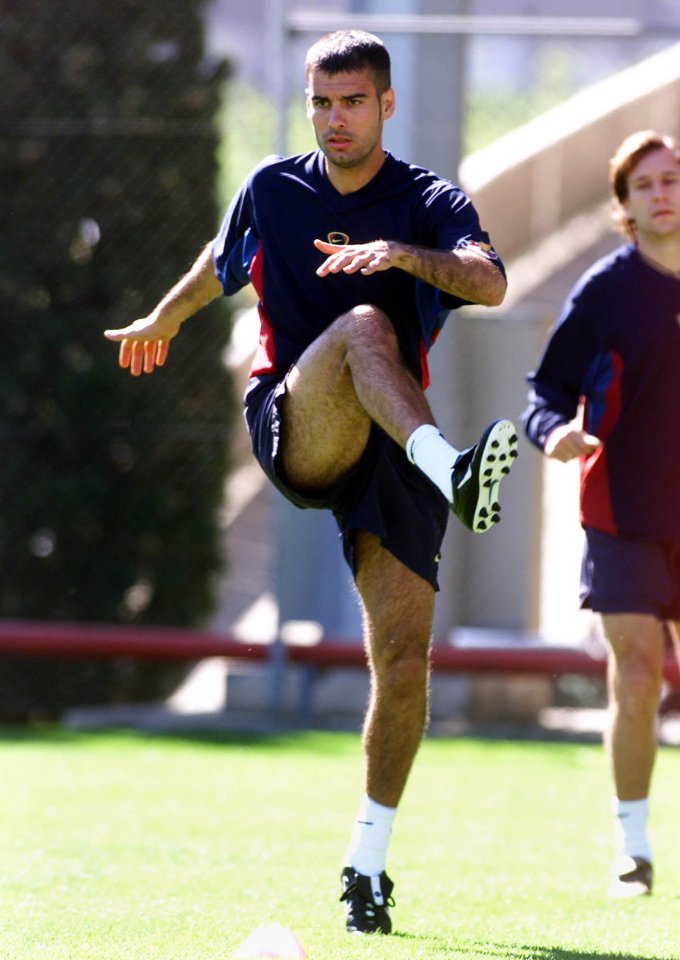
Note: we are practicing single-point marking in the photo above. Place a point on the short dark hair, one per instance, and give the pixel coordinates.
(626, 158)
(345, 51)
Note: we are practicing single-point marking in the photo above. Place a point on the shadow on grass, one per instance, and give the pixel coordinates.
(526, 952)
(54, 733)
(483, 950)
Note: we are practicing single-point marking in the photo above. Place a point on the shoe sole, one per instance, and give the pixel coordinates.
(635, 882)
(491, 461)
(626, 889)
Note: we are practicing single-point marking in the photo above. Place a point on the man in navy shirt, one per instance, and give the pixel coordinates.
(356, 258)
(616, 351)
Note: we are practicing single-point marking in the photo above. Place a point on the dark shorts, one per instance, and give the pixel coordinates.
(628, 575)
(383, 494)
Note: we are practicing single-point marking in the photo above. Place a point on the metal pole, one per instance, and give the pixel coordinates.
(303, 21)
(278, 83)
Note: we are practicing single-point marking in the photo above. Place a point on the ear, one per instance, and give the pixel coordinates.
(629, 224)
(308, 104)
(625, 209)
(387, 103)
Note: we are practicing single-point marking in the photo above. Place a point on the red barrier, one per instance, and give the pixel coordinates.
(103, 640)
(45, 638)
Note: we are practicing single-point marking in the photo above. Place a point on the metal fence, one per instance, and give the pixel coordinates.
(109, 183)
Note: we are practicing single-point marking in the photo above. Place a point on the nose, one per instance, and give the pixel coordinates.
(659, 188)
(336, 117)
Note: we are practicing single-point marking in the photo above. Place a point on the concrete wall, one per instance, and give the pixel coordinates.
(534, 180)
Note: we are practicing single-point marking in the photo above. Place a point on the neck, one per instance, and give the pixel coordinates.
(662, 252)
(350, 179)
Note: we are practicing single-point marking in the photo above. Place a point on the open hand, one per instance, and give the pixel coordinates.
(144, 344)
(366, 258)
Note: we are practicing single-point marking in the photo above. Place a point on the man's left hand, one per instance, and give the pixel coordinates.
(363, 258)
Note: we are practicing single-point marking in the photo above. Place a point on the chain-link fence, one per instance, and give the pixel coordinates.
(110, 487)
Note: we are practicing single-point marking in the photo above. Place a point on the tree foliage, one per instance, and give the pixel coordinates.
(110, 486)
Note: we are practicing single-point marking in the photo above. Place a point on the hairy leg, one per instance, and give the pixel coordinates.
(398, 607)
(351, 375)
(636, 649)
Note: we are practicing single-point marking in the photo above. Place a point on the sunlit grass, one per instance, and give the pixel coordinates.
(118, 846)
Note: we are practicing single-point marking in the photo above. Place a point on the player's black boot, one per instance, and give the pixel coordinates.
(477, 474)
(366, 900)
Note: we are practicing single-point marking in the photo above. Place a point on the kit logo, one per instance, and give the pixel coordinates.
(338, 238)
(484, 247)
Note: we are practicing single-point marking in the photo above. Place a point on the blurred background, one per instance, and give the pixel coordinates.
(127, 127)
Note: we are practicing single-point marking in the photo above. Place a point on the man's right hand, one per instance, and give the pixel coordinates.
(144, 344)
(568, 441)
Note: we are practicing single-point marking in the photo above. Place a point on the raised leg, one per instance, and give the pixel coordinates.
(351, 375)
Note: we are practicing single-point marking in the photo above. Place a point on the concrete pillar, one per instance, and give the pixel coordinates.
(312, 580)
(492, 580)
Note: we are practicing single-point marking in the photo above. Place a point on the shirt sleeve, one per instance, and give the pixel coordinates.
(237, 241)
(453, 223)
(562, 375)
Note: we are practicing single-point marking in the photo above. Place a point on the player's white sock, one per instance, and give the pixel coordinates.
(367, 850)
(630, 828)
(434, 455)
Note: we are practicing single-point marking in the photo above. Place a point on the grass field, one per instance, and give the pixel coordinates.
(121, 847)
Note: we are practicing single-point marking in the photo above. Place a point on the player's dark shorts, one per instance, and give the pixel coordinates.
(630, 575)
(383, 494)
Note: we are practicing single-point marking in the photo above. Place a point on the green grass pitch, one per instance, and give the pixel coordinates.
(123, 846)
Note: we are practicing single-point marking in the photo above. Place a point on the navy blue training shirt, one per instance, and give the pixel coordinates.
(616, 346)
(267, 237)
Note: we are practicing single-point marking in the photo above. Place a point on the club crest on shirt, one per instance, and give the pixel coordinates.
(338, 238)
(486, 248)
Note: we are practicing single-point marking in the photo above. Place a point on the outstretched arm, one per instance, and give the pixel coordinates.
(466, 272)
(144, 344)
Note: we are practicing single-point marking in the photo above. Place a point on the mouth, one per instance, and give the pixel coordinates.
(338, 142)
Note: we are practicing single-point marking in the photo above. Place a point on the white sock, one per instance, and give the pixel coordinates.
(630, 828)
(434, 455)
(367, 850)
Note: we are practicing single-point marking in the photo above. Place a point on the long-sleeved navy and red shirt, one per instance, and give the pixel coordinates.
(616, 349)
(267, 235)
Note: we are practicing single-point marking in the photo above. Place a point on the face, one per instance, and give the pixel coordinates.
(347, 115)
(654, 195)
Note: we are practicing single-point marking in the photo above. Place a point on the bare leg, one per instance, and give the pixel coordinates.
(636, 644)
(398, 607)
(351, 375)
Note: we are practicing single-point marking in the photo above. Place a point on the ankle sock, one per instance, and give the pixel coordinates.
(630, 828)
(434, 455)
(367, 850)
